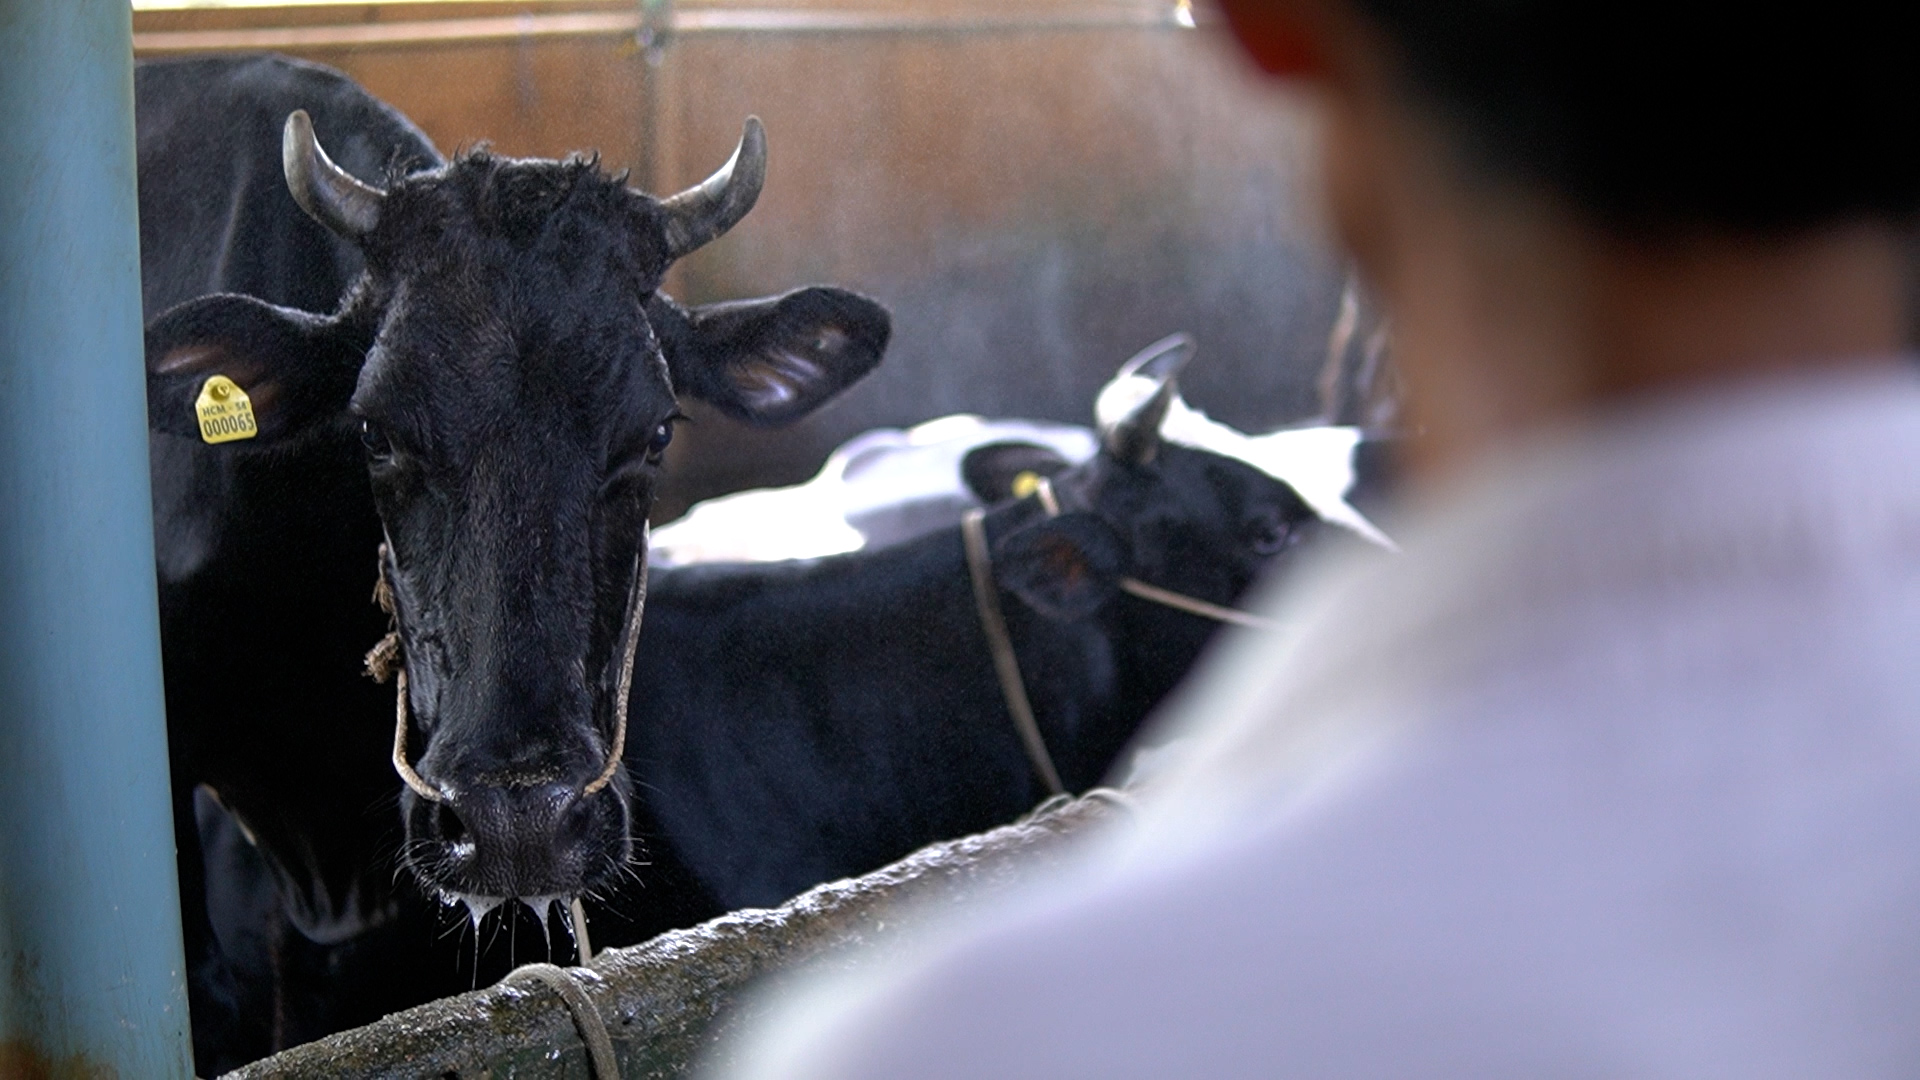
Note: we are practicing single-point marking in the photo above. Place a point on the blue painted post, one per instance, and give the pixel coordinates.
(91, 978)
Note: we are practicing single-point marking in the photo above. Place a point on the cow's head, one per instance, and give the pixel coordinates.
(1145, 508)
(513, 372)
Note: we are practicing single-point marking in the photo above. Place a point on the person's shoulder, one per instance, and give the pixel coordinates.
(1454, 906)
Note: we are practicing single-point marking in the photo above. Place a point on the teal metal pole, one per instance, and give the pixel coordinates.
(91, 976)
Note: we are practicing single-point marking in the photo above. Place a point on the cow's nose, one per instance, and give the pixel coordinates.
(519, 840)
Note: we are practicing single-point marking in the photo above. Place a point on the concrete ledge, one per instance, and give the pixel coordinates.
(666, 1000)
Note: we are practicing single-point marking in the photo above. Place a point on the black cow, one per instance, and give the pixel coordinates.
(489, 392)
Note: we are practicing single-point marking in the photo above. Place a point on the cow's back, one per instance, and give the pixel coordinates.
(215, 215)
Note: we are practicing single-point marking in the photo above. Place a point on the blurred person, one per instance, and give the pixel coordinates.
(1616, 771)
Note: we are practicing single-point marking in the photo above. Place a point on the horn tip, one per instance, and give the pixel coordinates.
(295, 136)
(298, 128)
(327, 193)
(753, 137)
(1162, 359)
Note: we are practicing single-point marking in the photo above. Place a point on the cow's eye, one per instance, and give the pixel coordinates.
(374, 438)
(662, 438)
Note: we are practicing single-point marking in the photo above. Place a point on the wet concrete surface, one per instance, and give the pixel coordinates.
(670, 1000)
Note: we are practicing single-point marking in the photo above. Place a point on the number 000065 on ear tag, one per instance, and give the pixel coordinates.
(225, 411)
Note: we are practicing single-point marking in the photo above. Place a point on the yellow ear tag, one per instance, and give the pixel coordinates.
(226, 413)
(1025, 483)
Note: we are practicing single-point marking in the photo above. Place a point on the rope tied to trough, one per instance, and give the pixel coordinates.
(586, 1019)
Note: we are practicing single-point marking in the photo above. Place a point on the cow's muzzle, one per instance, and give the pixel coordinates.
(536, 839)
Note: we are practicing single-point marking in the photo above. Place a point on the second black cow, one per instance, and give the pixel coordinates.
(800, 722)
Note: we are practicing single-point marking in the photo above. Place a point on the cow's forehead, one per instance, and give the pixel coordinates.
(518, 196)
(452, 380)
(510, 286)
(501, 220)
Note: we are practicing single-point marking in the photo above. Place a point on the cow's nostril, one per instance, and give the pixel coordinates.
(446, 822)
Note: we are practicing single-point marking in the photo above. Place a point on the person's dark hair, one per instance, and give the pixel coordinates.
(1738, 116)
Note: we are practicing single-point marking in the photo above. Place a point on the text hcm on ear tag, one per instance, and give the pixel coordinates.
(226, 413)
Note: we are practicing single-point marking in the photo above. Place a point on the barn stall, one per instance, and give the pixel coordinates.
(1033, 191)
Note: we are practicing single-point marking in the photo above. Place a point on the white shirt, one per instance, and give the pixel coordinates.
(1614, 773)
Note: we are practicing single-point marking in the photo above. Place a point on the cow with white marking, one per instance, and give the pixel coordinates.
(800, 721)
(889, 485)
(878, 488)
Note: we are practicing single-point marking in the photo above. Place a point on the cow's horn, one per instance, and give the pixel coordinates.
(700, 214)
(1134, 404)
(348, 208)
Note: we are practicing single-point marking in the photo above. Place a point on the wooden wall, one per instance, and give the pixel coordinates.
(1036, 190)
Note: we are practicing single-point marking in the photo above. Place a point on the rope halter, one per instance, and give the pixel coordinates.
(1042, 488)
(386, 660)
(993, 622)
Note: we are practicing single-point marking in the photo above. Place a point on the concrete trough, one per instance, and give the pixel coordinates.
(677, 998)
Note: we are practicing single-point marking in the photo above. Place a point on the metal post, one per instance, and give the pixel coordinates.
(91, 976)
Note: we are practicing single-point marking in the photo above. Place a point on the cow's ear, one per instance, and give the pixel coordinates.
(993, 471)
(1063, 567)
(772, 361)
(295, 368)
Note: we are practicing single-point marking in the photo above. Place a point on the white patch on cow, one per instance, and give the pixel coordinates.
(889, 485)
(1316, 461)
(880, 487)
(758, 525)
(914, 486)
